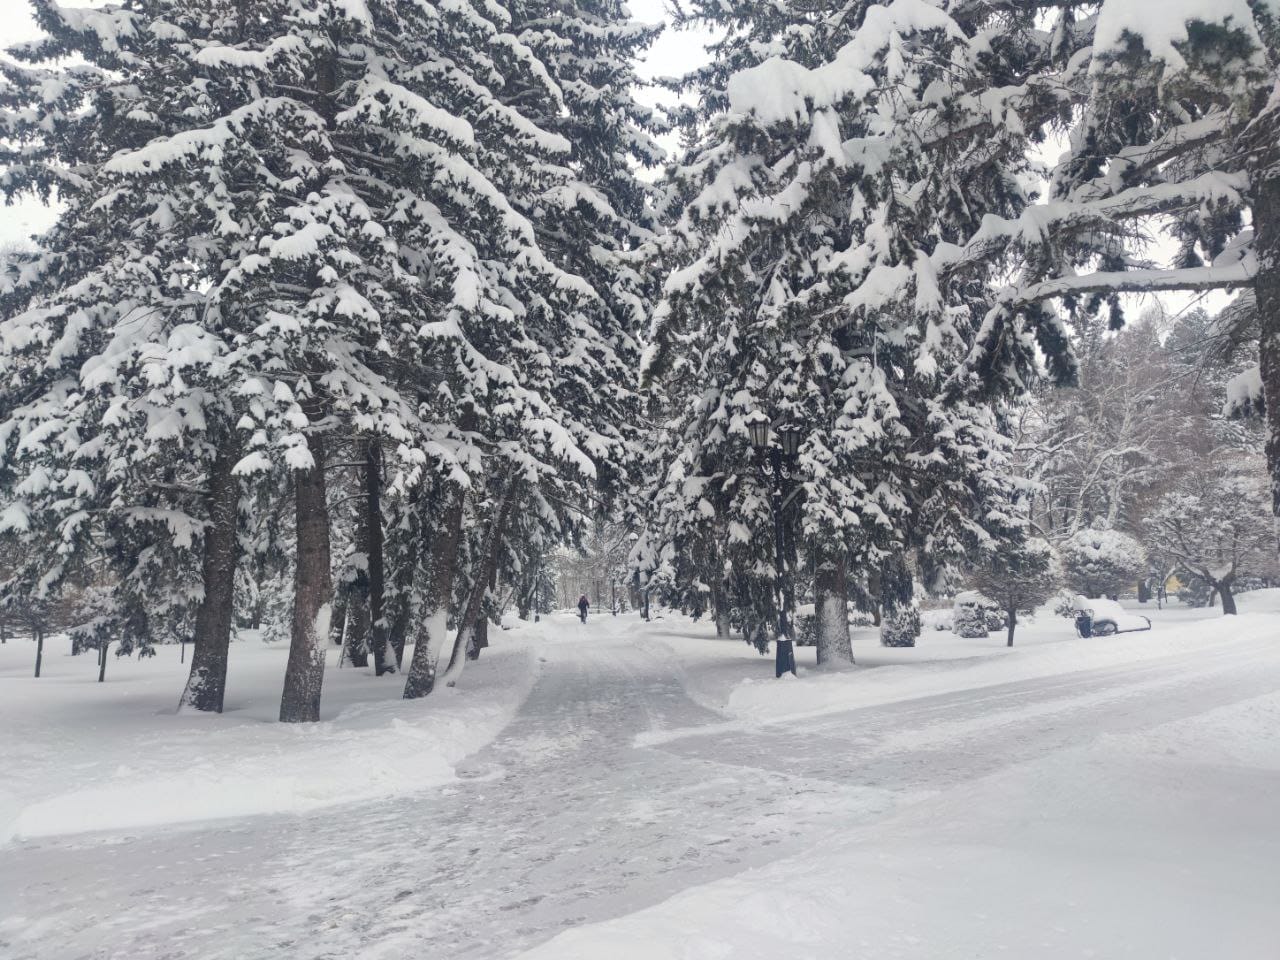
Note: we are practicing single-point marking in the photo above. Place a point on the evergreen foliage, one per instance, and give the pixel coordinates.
(847, 155)
(1100, 562)
(299, 229)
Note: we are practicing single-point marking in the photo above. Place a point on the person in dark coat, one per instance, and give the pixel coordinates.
(583, 604)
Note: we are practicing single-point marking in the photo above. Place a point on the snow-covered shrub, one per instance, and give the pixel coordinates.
(860, 618)
(1197, 593)
(939, 618)
(970, 622)
(901, 628)
(1102, 562)
(805, 625)
(969, 617)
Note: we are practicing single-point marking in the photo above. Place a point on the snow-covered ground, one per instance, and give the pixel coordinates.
(81, 756)
(649, 791)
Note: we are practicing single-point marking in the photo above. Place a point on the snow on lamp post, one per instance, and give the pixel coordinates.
(775, 462)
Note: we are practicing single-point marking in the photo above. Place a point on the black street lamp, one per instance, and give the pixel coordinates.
(776, 461)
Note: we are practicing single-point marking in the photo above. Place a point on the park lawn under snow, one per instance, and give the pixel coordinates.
(939, 663)
(81, 756)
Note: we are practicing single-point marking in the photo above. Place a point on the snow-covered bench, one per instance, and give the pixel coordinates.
(1102, 618)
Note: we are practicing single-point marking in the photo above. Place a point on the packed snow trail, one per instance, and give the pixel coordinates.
(564, 820)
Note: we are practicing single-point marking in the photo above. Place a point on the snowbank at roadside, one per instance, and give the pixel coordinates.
(81, 756)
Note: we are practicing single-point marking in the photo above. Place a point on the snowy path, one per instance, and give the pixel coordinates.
(564, 821)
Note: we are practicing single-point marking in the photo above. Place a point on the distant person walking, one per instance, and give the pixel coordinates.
(583, 605)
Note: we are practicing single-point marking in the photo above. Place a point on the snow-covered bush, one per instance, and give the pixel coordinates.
(937, 618)
(1102, 562)
(860, 618)
(805, 624)
(970, 614)
(901, 628)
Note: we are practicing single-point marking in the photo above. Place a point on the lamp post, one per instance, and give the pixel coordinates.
(775, 462)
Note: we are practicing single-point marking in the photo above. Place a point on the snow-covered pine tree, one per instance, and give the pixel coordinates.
(117, 399)
(1171, 135)
(288, 189)
(346, 196)
(597, 218)
(849, 152)
(589, 214)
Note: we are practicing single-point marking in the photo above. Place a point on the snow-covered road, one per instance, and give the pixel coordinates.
(564, 820)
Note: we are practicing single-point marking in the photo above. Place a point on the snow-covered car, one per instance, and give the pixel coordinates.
(1101, 618)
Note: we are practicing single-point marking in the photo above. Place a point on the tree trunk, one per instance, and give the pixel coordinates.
(355, 637)
(398, 622)
(102, 660)
(724, 629)
(524, 602)
(1228, 598)
(338, 623)
(207, 683)
(312, 591)
(1013, 622)
(480, 638)
(356, 644)
(831, 610)
(442, 568)
(367, 633)
(489, 561)
(39, 650)
(377, 575)
(873, 591)
(720, 605)
(1266, 224)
